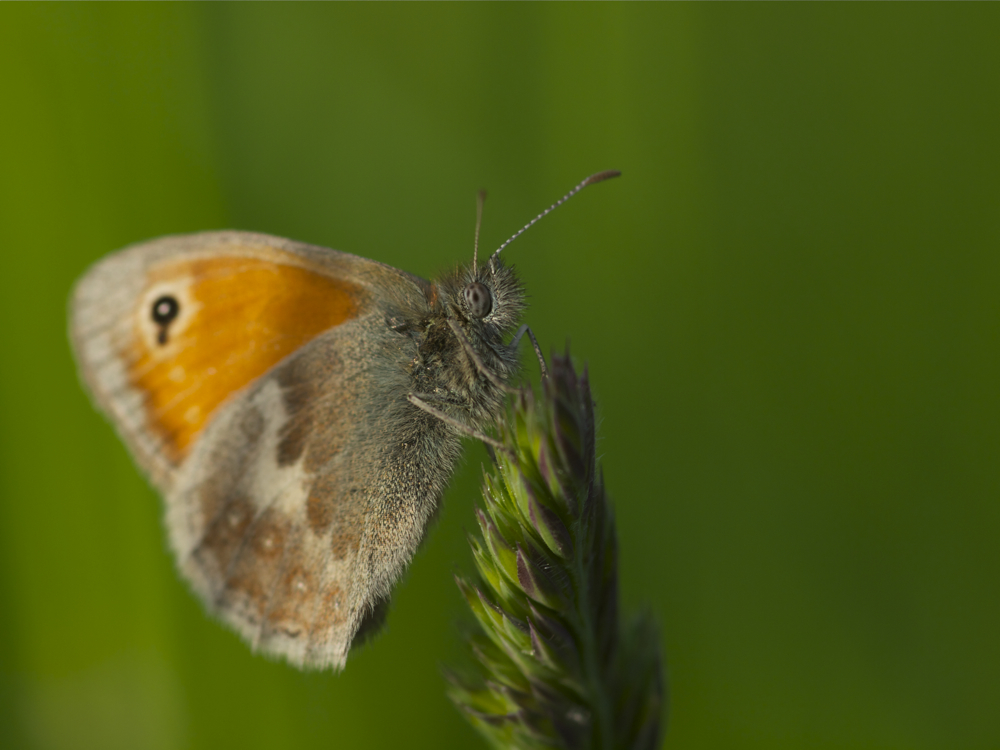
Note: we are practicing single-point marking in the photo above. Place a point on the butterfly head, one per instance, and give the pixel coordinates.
(487, 300)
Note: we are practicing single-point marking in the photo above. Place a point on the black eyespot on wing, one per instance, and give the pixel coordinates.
(165, 310)
(479, 299)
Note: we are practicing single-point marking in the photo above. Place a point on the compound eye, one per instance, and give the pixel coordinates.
(479, 299)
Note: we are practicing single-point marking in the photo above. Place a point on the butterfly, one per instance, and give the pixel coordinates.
(300, 410)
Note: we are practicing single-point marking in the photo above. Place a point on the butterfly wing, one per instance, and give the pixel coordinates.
(261, 409)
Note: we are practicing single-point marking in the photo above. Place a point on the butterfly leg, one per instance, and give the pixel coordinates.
(463, 428)
(438, 398)
(477, 360)
(524, 329)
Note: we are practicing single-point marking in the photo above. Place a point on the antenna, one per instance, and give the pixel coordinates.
(480, 200)
(599, 177)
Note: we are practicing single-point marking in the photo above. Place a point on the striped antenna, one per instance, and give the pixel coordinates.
(480, 200)
(599, 177)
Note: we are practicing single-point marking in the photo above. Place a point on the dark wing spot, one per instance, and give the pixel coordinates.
(165, 309)
(164, 312)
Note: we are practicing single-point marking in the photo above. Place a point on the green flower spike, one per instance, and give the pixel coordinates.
(556, 672)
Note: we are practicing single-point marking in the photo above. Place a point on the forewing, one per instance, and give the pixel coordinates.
(246, 302)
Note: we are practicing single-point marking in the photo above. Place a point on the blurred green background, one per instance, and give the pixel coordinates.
(789, 304)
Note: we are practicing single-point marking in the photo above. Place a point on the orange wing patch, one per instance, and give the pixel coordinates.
(232, 319)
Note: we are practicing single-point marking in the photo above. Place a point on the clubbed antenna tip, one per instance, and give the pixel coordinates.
(601, 177)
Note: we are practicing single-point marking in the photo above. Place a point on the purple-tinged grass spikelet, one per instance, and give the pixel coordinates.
(556, 668)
